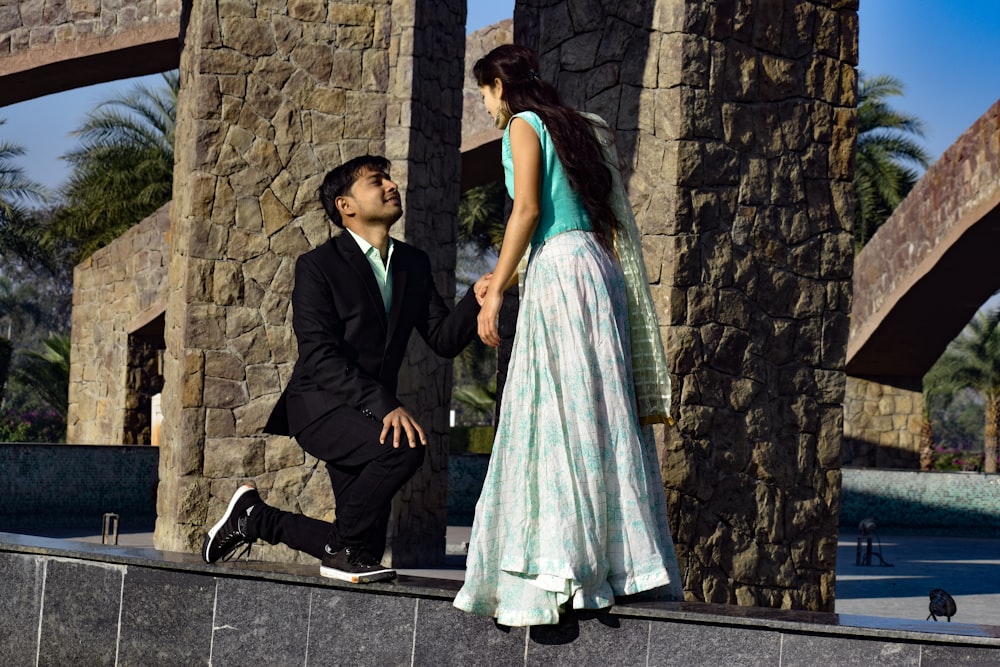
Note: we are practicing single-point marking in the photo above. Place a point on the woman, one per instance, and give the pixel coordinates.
(572, 512)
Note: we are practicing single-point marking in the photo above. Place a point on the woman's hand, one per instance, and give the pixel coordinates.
(479, 289)
(488, 314)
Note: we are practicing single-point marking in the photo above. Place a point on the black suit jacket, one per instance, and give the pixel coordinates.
(349, 351)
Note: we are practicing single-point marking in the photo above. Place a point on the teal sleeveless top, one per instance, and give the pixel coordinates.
(561, 208)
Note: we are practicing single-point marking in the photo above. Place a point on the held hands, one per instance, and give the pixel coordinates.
(479, 289)
(400, 420)
(488, 313)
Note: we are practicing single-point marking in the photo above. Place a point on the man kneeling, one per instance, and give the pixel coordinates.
(355, 302)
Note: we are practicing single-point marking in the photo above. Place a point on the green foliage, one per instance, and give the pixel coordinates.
(481, 439)
(480, 216)
(886, 154)
(480, 231)
(971, 362)
(957, 459)
(20, 235)
(957, 419)
(47, 372)
(33, 303)
(39, 425)
(477, 397)
(471, 439)
(123, 169)
(6, 353)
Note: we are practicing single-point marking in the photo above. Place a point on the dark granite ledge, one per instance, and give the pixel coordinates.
(403, 586)
(695, 613)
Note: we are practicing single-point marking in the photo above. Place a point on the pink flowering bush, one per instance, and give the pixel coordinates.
(962, 458)
(35, 425)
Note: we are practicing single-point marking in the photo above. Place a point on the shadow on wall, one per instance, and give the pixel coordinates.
(603, 74)
(862, 453)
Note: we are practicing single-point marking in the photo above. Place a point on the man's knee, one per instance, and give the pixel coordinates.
(405, 457)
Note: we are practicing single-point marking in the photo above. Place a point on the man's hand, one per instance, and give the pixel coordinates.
(479, 289)
(400, 420)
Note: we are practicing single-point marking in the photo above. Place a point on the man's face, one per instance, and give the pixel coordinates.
(373, 199)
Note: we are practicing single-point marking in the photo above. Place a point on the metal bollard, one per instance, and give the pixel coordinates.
(110, 530)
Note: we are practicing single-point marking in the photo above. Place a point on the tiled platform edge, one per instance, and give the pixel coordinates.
(957, 504)
(72, 486)
(69, 603)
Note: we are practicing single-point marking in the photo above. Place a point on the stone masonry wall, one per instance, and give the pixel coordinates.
(272, 97)
(475, 119)
(28, 26)
(114, 290)
(882, 424)
(423, 139)
(738, 122)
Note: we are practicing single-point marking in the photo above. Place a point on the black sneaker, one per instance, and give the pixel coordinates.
(231, 532)
(354, 564)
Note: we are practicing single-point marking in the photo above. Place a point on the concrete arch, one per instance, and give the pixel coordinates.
(49, 48)
(932, 264)
(916, 284)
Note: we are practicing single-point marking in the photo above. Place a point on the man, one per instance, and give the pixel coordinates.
(355, 302)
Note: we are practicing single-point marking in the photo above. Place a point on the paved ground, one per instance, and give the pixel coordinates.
(968, 568)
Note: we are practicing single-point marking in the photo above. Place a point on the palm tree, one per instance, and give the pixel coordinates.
(19, 236)
(47, 372)
(123, 170)
(882, 178)
(480, 231)
(480, 216)
(973, 360)
(479, 398)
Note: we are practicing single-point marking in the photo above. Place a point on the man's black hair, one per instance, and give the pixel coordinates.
(339, 181)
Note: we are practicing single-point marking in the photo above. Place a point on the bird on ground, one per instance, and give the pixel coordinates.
(941, 604)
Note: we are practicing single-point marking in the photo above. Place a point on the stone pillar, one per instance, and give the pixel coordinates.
(423, 140)
(883, 422)
(737, 119)
(272, 97)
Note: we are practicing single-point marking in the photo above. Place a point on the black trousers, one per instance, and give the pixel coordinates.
(365, 476)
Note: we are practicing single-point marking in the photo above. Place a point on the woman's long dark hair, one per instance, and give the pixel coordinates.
(573, 135)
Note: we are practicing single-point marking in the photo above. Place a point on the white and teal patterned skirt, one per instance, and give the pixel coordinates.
(572, 512)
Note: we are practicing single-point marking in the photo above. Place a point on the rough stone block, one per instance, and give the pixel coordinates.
(233, 457)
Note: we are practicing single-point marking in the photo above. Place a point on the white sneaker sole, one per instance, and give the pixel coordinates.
(357, 578)
(225, 517)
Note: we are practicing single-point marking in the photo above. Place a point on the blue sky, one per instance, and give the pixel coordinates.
(944, 51)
